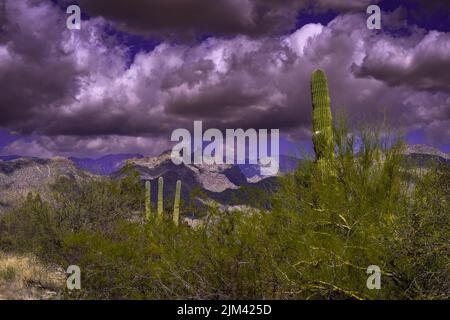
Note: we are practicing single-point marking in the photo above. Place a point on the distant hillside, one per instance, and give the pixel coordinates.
(421, 155)
(253, 172)
(224, 184)
(221, 183)
(7, 158)
(423, 149)
(105, 165)
(22, 175)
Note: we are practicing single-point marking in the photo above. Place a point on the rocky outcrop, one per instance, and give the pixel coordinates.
(423, 149)
(420, 155)
(222, 183)
(22, 175)
(105, 165)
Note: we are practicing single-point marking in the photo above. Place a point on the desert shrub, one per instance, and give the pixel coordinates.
(135, 261)
(364, 211)
(420, 249)
(162, 261)
(315, 240)
(338, 223)
(33, 227)
(95, 205)
(8, 274)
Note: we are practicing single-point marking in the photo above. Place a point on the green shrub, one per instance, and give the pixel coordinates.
(314, 241)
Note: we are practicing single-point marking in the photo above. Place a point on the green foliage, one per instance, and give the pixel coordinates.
(8, 274)
(315, 242)
(421, 247)
(93, 205)
(339, 225)
(31, 228)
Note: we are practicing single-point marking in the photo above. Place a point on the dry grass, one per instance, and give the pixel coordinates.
(25, 278)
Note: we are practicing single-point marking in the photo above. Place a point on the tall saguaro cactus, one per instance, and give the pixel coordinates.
(176, 204)
(160, 197)
(148, 209)
(322, 119)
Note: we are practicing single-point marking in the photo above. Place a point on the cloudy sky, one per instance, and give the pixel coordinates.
(139, 69)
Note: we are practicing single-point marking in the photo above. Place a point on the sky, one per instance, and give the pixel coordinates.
(138, 69)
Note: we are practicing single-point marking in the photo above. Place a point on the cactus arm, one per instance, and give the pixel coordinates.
(160, 197)
(148, 209)
(176, 205)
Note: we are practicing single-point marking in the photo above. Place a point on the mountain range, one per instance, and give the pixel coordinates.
(105, 165)
(223, 184)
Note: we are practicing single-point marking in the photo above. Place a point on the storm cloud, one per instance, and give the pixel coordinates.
(76, 92)
(411, 63)
(188, 19)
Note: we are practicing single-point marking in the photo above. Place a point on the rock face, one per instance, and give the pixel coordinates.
(425, 150)
(215, 181)
(223, 184)
(253, 173)
(220, 183)
(22, 175)
(214, 178)
(105, 165)
(421, 155)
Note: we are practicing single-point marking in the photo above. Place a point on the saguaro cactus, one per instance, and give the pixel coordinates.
(160, 204)
(160, 197)
(148, 209)
(322, 119)
(176, 204)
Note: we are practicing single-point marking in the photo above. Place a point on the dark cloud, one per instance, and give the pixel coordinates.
(183, 19)
(3, 37)
(432, 15)
(77, 93)
(35, 73)
(188, 19)
(45, 146)
(423, 65)
(44, 66)
(433, 6)
(342, 5)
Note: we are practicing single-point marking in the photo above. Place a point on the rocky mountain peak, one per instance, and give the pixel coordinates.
(425, 150)
(22, 175)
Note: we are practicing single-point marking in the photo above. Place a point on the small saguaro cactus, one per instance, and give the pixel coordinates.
(160, 203)
(148, 208)
(176, 204)
(160, 197)
(322, 119)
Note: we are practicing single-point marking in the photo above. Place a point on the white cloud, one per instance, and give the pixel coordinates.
(107, 105)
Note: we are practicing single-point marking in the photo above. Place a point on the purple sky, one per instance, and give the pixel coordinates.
(139, 69)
